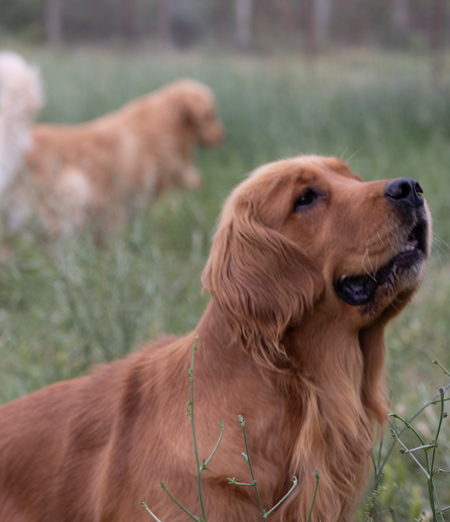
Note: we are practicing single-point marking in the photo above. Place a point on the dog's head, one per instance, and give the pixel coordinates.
(197, 108)
(305, 236)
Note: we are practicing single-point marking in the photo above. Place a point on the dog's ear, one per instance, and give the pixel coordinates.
(193, 102)
(261, 282)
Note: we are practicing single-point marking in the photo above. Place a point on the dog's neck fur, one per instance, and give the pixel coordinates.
(331, 423)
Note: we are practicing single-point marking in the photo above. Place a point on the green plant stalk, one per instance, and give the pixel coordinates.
(202, 466)
(431, 497)
(317, 475)
(429, 469)
(411, 427)
(152, 514)
(380, 468)
(178, 503)
(408, 426)
(392, 512)
(295, 481)
(439, 506)
(379, 454)
(242, 423)
(230, 481)
(429, 474)
(438, 400)
(191, 415)
(432, 488)
(427, 446)
(375, 467)
(441, 417)
(442, 368)
(432, 493)
(215, 448)
(413, 457)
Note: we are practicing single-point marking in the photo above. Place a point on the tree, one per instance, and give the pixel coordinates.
(163, 19)
(354, 21)
(221, 21)
(285, 15)
(400, 20)
(307, 22)
(243, 10)
(437, 38)
(322, 19)
(128, 19)
(53, 12)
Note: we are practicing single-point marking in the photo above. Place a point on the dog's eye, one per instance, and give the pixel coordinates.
(307, 199)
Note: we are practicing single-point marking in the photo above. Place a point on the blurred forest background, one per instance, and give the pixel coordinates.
(351, 78)
(308, 26)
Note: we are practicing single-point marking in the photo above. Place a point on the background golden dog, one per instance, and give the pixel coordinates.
(106, 169)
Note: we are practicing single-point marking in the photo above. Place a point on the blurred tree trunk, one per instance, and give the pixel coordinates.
(354, 21)
(243, 12)
(316, 15)
(437, 39)
(220, 13)
(285, 15)
(128, 19)
(163, 29)
(53, 21)
(322, 19)
(400, 21)
(307, 18)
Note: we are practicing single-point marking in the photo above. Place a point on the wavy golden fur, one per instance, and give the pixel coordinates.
(109, 168)
(281, 343)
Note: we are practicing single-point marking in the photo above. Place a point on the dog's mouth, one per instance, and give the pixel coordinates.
(358, 290)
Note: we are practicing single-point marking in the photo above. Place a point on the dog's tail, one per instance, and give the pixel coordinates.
(21, 98)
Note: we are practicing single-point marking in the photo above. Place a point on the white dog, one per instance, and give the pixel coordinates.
(20, 99)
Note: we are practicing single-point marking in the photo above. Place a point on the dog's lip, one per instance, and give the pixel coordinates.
(360, 289)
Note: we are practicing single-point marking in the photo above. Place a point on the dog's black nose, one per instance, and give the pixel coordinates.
(405, 190)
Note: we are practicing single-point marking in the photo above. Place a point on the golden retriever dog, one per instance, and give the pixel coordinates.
(307, 267)
(111, 167)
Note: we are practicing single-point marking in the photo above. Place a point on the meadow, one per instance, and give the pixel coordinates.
(67, 307)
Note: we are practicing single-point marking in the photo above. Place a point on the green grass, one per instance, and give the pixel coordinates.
(63, 311)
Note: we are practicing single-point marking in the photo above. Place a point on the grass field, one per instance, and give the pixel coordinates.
(60, 314)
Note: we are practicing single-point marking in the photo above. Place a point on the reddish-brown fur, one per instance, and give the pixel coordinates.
(110, 167)
(276, 344)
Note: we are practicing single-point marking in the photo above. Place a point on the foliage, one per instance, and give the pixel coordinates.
(428, 469)
(67, 306)
(283, 25)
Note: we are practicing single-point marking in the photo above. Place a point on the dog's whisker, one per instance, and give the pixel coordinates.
(381, 239)
(357, 151)
(392, 233)
(368, 256)
(440, 261)
(441, 243)
(366, 253)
